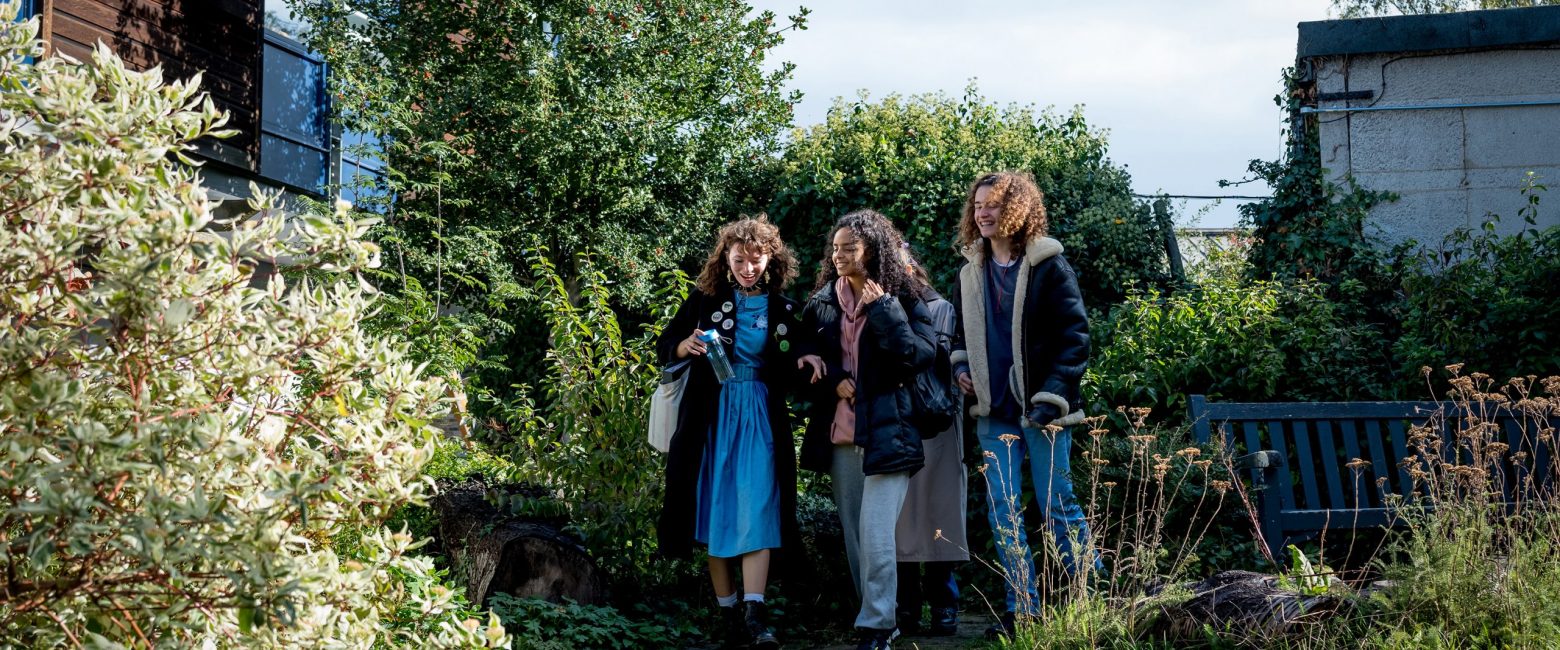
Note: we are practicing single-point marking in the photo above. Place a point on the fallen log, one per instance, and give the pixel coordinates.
(497, 553)
(1251, 607)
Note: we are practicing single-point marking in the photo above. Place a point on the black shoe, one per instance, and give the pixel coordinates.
(756, 616)
(877, 639)
(909, 621)
(1003, 628)
(736, 632)
(945, 621)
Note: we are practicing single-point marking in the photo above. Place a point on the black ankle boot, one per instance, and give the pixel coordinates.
(736, 631)
(757, 618)
(945, 621)
(909, 621)
(1003, 628)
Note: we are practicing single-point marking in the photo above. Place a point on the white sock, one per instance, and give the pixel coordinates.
(757, 598)
(728, 600)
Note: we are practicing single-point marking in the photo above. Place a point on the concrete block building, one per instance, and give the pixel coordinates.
(1450, 111)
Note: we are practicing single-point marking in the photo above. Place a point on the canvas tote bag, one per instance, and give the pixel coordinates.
(664, 403)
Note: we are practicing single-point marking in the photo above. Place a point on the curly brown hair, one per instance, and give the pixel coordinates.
(883, 243)
(1023, 208)
(749, 232)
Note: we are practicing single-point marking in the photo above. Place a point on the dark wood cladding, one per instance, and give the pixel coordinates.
(221, 38)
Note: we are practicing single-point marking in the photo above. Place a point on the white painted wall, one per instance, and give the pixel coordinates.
(1452, 167)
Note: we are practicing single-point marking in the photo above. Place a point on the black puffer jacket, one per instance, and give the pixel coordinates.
(896, 344)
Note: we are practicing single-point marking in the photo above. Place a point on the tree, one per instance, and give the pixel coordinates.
(1369, 8)
(180, 445)
(914, 158)
(601, 125)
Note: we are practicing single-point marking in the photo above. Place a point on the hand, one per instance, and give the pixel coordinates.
(1042, 414)
(846, 390)
(870, 292)
(817, 366)
(691, 345)
(965, 383)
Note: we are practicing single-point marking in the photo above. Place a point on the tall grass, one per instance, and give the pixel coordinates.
(1474, 562)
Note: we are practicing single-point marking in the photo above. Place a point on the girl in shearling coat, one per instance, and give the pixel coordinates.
(1020, 349)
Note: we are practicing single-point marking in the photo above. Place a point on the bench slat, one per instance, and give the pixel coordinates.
(1327, 452)
(1301, 436)
(1318, 410)
(1286, 488)
(1359, 490)
(1400, 447)
(1380, 466)
(1312, 520)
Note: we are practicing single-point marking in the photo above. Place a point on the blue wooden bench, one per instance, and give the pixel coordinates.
(1299, 456)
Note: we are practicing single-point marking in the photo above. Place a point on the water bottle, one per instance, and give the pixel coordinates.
(717, 355)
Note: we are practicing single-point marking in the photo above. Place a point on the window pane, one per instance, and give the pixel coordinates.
(294, 96)
(362, 148)
(363, 188)
(280, 18)
(290, 163)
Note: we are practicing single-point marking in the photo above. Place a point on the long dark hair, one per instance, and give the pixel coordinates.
(881, 243)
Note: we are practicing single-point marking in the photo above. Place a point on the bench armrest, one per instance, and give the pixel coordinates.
(1260, 460)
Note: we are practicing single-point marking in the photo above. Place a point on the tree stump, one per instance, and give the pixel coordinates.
(1245, 605)
(500, 554)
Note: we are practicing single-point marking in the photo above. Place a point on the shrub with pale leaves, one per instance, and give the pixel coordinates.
(179, 440)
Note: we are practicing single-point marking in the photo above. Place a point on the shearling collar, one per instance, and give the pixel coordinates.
(1036, 251)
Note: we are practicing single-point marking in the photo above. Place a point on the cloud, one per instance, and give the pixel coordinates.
(1185, 88)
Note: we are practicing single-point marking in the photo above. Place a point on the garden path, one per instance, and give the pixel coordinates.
(972, 629)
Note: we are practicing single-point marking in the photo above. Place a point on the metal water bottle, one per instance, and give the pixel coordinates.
(717, 355)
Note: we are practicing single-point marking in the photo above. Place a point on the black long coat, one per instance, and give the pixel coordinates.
(701, 405)
(897, 342)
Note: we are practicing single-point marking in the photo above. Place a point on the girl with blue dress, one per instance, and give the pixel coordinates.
(731, 467)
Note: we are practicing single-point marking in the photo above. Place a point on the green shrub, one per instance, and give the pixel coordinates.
(179, 443)
(914, 158)
(1232, 338)
(583, 433)
(1485, 300)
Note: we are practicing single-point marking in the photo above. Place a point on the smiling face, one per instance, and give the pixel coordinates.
(986, 212)
(747, 264)
(849, 254)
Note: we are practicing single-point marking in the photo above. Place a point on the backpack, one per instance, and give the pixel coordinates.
(933, 408)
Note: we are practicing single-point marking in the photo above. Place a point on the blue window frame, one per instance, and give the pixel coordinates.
(29, 9)
(295, 134)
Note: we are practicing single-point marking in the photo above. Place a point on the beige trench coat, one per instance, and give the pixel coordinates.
(936, 498)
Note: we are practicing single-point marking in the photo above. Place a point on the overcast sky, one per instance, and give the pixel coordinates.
(1185, 88)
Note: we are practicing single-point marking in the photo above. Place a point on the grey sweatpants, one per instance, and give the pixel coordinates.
(869, 512)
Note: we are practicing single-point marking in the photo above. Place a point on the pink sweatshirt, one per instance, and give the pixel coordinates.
(852, 320)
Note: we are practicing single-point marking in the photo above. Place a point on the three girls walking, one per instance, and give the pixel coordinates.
(1018, 340)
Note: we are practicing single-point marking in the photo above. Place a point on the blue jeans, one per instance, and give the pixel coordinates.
(1050, 464)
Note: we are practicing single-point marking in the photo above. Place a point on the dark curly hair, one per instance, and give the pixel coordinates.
(881, 243)
(1022, 216)
(752, 232)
